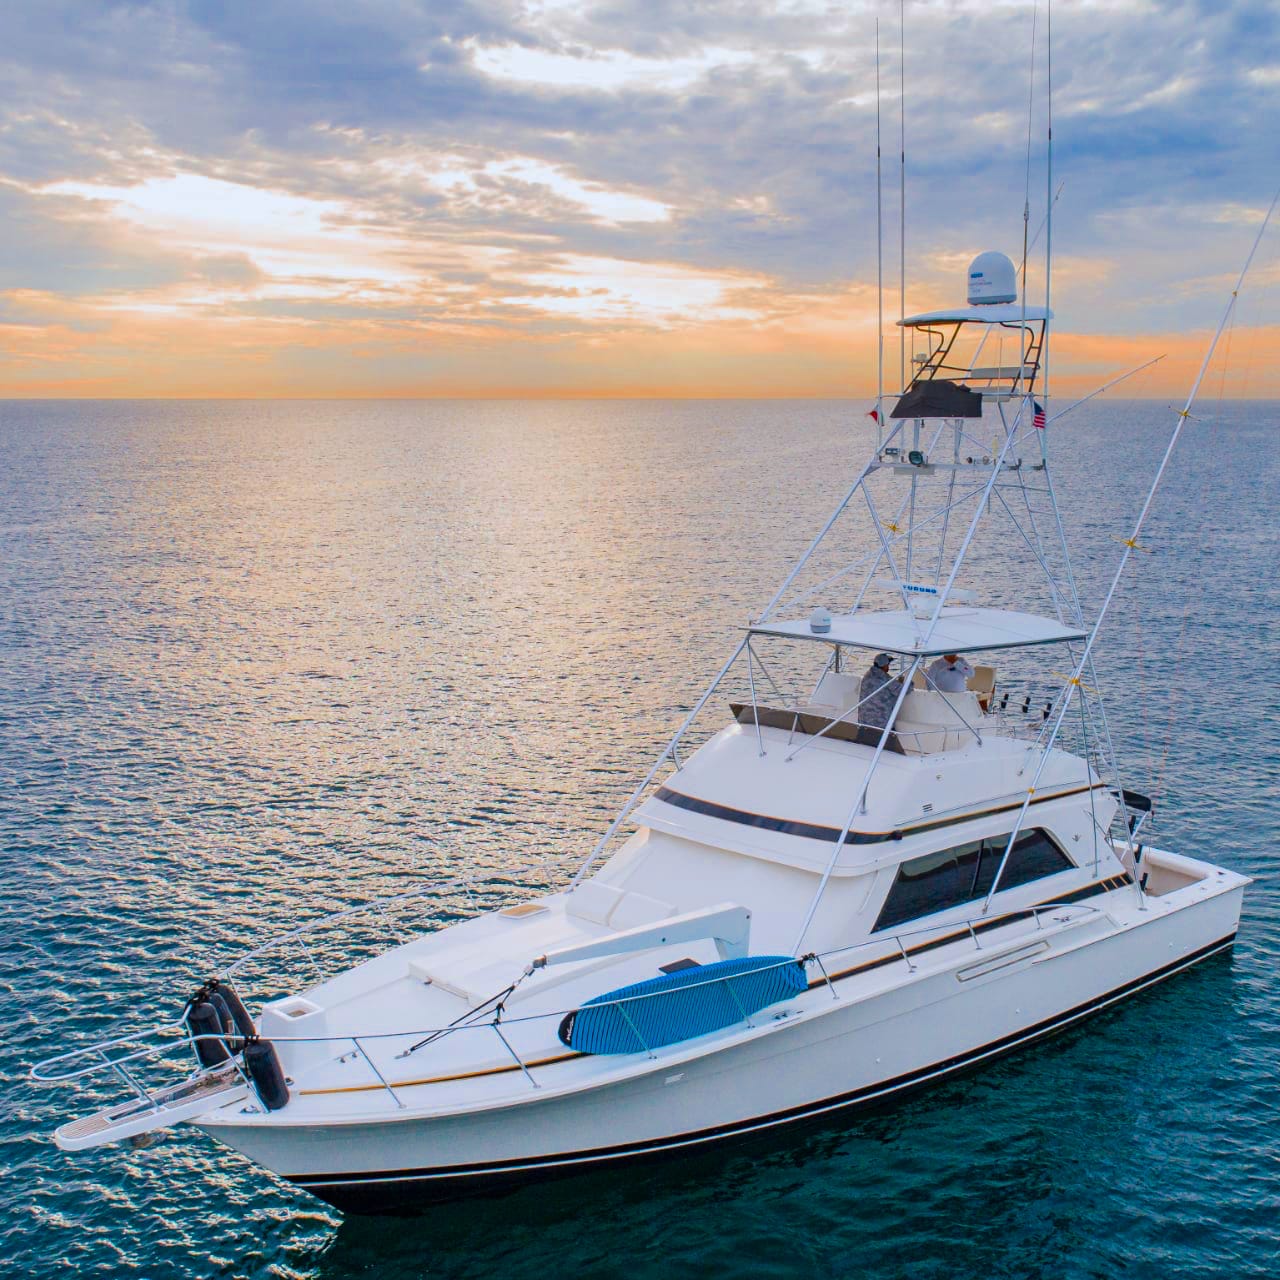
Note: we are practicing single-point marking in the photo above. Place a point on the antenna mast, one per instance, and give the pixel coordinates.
(879, 265)
(1026, 207)
(1049, 202)
(902, 195)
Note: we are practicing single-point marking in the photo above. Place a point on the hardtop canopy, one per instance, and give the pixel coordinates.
(959, 630)
(985, 313)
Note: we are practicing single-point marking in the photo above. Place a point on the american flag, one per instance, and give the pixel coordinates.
(1038, 420)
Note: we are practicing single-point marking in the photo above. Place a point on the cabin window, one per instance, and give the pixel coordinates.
(951, 877)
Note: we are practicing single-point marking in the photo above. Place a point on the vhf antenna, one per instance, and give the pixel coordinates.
(879, 266)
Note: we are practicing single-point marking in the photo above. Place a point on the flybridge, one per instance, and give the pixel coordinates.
(947, 461)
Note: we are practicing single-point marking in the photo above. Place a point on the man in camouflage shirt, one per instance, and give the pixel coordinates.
(878, 692)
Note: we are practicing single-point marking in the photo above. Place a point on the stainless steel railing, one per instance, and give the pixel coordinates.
(151, 1048)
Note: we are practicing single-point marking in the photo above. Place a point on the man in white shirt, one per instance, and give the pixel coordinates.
(949, 674)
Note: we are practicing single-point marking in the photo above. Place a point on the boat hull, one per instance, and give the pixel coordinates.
(874, 1050)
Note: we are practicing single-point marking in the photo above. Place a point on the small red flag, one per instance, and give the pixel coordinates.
(874, 413)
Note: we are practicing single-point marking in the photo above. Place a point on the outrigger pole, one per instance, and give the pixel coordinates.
(1106, 386)
(1130, 545)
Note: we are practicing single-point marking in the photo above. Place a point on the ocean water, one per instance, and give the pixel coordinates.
(261, 660)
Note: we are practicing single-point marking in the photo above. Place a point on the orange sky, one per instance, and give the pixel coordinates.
(262, 293)
(817, 348)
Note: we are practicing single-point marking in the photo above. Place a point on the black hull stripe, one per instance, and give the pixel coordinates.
(812, 831)
(599, 1155)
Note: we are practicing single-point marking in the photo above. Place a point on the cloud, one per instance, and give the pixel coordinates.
(537, 171)
(609, 70)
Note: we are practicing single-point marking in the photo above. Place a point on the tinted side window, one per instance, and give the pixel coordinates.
(964, 874)
(1032, 857)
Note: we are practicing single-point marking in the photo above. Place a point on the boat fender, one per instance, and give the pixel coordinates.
(192, 1000)
(263, 1066)
(227, 1022)
(241, 1018)
(203, 1019)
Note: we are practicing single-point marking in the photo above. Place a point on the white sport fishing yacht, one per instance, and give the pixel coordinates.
(838, 897)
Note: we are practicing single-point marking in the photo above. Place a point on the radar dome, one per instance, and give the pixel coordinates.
(992, 278)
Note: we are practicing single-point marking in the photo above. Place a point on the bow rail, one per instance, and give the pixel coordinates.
(131, 1059)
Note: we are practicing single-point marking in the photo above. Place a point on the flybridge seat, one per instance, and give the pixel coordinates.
(982, 682)
(998, 373)
(930, 721)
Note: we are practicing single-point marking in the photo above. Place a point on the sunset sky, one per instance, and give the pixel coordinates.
(639, 197)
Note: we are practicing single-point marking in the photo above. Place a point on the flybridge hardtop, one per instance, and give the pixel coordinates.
(856, 867)
(957, 629)
(1008, 313)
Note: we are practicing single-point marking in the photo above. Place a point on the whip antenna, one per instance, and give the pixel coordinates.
(902, 194)
(879, 263)
(1026, 201)
(1050, 201)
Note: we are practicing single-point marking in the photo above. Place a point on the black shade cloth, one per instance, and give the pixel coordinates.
(938, 398)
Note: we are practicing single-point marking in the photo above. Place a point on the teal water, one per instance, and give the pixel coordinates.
(259, 660)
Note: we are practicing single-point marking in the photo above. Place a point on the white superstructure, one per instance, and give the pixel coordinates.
(937, 888)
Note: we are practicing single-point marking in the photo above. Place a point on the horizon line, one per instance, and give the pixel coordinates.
(568, 396)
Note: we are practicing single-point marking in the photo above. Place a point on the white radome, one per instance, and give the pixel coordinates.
(992, 278)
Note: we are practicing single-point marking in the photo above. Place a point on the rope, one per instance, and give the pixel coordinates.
(499, 1000)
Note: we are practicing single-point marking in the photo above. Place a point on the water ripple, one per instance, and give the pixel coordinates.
(259, 659)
